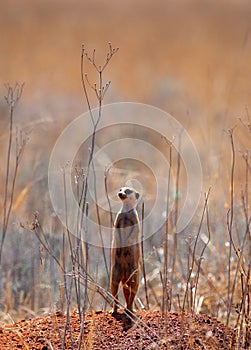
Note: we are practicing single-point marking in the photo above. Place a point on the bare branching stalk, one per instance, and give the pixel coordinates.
(99, 221)
(243, 270)
(189, 284)
(86, 246)
(82, 248)
(110, 211)
(167, 291)
(73, 251)
(203, 250)
(99, 90)
(68, 293)
(12, 97)
(108, 199)
(143, 255)
(230, 218)
(176, 214)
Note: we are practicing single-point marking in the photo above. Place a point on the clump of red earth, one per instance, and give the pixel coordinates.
(100, 330)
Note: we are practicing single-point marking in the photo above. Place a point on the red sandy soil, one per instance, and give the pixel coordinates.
(101, 330)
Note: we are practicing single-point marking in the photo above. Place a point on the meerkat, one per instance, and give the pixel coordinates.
(125, 249)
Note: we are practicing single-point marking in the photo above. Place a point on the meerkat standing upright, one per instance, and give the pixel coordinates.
(125, 249)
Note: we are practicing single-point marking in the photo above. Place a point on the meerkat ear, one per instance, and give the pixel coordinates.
(137, 195)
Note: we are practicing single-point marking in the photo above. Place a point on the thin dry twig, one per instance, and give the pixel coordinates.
(142, 255)
(12, 97)
(194, 252)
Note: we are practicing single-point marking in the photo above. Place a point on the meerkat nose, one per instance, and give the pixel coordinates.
(122, 195)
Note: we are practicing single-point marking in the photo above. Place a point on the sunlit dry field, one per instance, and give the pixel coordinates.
(189, 58)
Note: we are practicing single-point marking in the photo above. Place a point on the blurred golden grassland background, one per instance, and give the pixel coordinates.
(190, 58)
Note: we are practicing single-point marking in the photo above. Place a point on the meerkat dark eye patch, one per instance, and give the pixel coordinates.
(127, 191)
(137, 195)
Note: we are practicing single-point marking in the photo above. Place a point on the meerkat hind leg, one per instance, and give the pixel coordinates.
(114, 290)
(130, 289)
(129, 297)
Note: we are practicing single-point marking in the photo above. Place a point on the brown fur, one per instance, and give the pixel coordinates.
(125, 257)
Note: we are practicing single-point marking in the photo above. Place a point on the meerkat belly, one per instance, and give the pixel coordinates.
(127, 259)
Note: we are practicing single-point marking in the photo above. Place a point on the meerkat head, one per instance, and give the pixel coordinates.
(129, 197)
